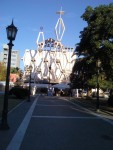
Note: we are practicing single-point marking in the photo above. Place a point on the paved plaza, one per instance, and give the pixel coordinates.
(56, 123)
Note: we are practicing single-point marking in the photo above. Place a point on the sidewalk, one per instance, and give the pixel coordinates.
(15, 118)
(104, 109)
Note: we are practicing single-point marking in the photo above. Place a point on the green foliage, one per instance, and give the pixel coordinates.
(96, 42)
(2, 72)
(103, 83)
(17, 71)
(14, 70)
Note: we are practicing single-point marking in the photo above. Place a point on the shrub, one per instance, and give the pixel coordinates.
(110, 100)
(19, 92)
(43, 90)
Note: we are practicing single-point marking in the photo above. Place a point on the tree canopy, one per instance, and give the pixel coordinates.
(96, 43)
(17, 71)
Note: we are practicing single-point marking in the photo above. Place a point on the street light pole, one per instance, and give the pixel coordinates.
(49, 74)
(11, 34)
(29, 98)
(98, 102)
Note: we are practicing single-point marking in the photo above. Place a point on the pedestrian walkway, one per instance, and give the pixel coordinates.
(15, 119)
(19, 135)
(105, 111)
(48, 122)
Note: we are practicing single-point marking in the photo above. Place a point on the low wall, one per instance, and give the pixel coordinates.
(2, 85)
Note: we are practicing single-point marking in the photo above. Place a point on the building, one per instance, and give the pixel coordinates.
(52, 62)
(15, 57)
(13, 77)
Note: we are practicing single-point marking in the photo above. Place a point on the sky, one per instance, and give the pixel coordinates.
(30, 15)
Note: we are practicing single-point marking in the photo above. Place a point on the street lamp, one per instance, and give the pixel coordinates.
(49, 73)
(98, 63)
(30, 69)
(11, 35)
(49, 91)
(33, 61)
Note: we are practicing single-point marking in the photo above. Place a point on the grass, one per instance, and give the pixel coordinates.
(91, 103)
(12, 102)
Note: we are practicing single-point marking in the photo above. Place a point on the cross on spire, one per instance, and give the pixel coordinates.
(61, 12)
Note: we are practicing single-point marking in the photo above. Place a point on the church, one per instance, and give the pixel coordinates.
(51, 62)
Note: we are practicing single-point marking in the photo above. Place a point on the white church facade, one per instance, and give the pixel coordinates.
(51, 62)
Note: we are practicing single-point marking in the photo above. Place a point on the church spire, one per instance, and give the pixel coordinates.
(60, 27)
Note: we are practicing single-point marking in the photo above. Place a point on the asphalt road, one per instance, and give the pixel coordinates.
(57, 124)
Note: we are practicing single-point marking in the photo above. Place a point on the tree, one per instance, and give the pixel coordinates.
(97, 38)
(14, 70)
(96, 43)
(2, 72)
(17, 71)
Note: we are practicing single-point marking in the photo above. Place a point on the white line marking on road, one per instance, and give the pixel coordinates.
(65, 117)
(50, 100)
(18, 137)
(52, 105)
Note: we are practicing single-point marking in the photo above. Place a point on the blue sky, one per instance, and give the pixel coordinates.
(30, 15)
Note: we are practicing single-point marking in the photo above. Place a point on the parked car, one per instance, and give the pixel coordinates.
(106, 94)
(94, 94)
(84, 93)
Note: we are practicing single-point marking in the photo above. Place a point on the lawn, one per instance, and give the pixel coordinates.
(12, 102)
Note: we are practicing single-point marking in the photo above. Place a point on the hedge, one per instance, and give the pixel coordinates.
(19, 92)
